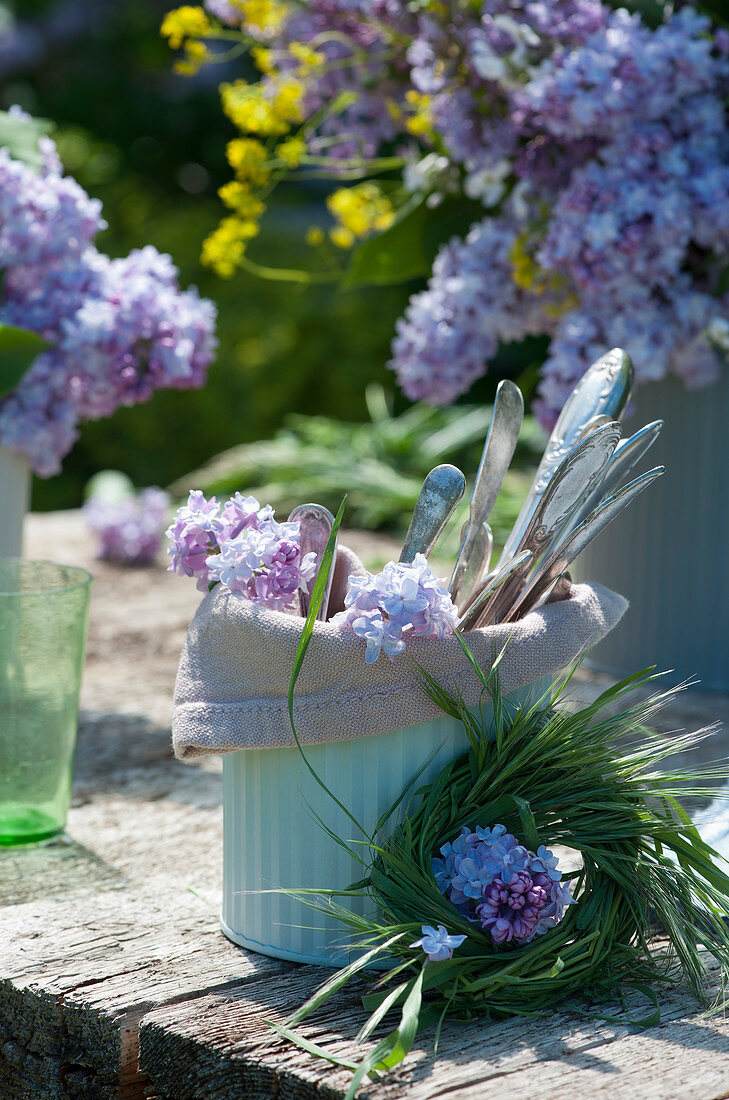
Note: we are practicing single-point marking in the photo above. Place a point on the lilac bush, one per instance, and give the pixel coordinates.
(129, 529)
(117, 329)
(598, 147)
(493, 880)
(242, 547)
(404, 601)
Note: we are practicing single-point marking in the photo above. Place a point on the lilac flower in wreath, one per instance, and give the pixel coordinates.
(506, 857)
(545, 862)
(437, 944)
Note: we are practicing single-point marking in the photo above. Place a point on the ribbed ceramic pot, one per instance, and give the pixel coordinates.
(14, 501)
(272, 840)
(668, 553)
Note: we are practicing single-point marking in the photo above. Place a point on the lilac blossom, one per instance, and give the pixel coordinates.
(494, 880)
(599, 147)
(118, 329)
(437, 944)
(404, 601)
(240, 546)
(129, 529)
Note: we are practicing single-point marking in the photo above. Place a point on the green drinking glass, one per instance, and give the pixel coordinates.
(43, 621)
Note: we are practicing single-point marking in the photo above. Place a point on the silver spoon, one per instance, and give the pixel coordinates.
(548, 572)
(440, 493)
(628, 454)
(574, 477)
(474, 614)
(603, 390)
(592, 425)
(315, 526)
(497, 454)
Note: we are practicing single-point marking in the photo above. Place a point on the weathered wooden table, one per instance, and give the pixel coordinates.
(116, 982)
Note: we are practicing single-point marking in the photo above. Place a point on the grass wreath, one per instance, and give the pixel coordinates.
(649, 893)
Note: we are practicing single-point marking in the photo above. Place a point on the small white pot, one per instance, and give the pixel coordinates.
(668, 553)
(272, 841)
(14, 501)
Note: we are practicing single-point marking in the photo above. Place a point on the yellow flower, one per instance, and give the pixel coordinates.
(291, 151)
(247, 157)
(287, 100)
(314, 236)
(308, 59)
(224, 249)
(263, 59)
(239, 198)
(246, 106)
(265, 15)
(196, 54)
(420, 122)
(362, 209)
(184, 22)
(341, 237)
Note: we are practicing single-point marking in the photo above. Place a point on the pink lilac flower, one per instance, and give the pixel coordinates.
(404, 601)
(130, 530)
(240, 546)
(437, 944)
(494, 880)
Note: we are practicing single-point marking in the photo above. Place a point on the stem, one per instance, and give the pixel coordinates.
(286, 275)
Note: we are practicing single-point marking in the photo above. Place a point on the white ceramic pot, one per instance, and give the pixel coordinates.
(272, 841)
(14, 501)
(668, 552)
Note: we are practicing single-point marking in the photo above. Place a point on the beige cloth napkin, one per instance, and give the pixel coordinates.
(233, 679)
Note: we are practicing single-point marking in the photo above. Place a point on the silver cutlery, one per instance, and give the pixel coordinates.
(498, 451)
(628, 454)
(549, 571)
(473, 616)
(575, 476)
(440, 493)
(603, 390)
(592, 425)
(315, 526)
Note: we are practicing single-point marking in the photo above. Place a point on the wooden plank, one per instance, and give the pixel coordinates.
(220, 1047)
(79, 972)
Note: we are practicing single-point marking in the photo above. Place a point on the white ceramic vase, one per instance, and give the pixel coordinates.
(668, 552)
(14, 501)
(272, 840)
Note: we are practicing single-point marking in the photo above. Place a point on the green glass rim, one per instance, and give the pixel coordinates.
(68, 577)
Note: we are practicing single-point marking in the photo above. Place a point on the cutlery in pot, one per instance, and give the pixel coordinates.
(574, 477)
(473, 616)
(603, 390)
(628, 454)
(498, 452)
(440, 493)
(315, 526)
(550, 570)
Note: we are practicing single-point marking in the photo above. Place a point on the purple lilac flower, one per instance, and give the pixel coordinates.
(404, 601)
(437, 944)
(494, 880)
(241, 546)
(119, 329)
(451, 330)
(130, 529)
(599, 143)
